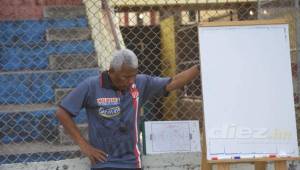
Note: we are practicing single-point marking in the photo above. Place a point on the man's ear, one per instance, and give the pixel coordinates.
(111, 73)
(111, 70)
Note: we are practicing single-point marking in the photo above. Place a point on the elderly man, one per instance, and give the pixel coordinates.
(113, 101)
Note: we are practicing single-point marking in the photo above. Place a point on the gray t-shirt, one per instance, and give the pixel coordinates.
(112, 117)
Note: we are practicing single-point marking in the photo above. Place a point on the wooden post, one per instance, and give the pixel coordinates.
(111, 23)
(260, 165)
(280, 165)
(223, 166)
(204, 163)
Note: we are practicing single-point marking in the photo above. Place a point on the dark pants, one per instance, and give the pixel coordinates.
(116, 169)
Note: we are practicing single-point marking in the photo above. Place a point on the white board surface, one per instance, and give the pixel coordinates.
(172, 136)
(247, 91)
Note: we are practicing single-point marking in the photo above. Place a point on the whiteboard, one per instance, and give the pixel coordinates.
(247, 91)
(172, 136)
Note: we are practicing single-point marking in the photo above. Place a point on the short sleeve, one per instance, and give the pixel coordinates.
(76, 99)
(155, 86)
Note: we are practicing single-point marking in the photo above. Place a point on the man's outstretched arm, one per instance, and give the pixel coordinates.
(69, 125)
(182, 78)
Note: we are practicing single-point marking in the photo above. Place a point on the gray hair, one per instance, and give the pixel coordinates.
(123, 56)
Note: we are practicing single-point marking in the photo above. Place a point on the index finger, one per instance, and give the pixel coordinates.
(101, 152)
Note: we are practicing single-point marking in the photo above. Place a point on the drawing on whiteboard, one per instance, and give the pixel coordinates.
(167, 137)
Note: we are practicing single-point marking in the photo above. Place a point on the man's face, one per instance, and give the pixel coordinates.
(124, 78)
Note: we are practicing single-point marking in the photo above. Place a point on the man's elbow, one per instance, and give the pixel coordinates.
(61, 114)
(169, 87)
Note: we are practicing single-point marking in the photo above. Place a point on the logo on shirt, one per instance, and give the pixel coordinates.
(109, 107)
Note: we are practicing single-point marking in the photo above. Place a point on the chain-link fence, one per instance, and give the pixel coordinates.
(43, 59)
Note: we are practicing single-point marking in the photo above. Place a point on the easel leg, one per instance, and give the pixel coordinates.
(224, 166)
(260, 165)
(280, 165)
(204, 164)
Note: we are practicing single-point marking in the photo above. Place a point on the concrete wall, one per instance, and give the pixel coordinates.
(70, 164)
(182, 161)
(188, 161)
(163, 2)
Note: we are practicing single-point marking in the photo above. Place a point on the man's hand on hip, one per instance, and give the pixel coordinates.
(93, 154)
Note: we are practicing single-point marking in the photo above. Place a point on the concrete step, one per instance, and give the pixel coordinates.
(65, 139)
(35, 56)
(31, 124)
(25, 108)
(35, 147)
(72, 61)
(32, 87)
(36, 152)
(69, 34)
(33, 31)
(61, 93)
(28, 126)
(64, 11)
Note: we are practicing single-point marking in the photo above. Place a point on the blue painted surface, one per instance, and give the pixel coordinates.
(23, 46)
(35, 57)
(39, 157)
(32, 31)
(29, 126)
(38, 87)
